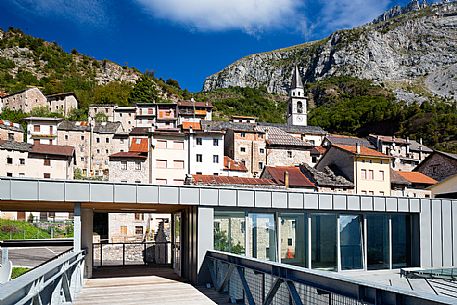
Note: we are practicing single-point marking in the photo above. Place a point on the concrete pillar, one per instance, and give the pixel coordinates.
(77, 227)
(87, 221)
(205, 235)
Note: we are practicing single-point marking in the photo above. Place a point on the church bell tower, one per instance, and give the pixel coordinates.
(297, 113)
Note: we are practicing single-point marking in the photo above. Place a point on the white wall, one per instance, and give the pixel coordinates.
(207, 150)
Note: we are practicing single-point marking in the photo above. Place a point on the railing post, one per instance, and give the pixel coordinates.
(4, 256)
(123, 254)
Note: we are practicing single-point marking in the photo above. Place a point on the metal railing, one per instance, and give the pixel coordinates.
(134, 253)
(56, 282)
(252, 281)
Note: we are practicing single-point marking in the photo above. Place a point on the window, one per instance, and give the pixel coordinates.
(9, 174)
(215, 159)
(199, 158)
(178, 182)
(51, 129)
(139, 216)
(351, 242)
(123, 230)
(47, 175)
(243, 135)
(371, 193)
(243, 149)
(314, 159)
(137, 181)
(364, 174)
(215, 142)
(50, 142)
(260, 165)
(98, 140)
(262, 240)
(289, 154)
(299, 107)
(161, 163)
(199, 141)
(161, 181)
(161, 144)
(323, 241)
(82, 159)
(381, 175)
(36, 141)
(107, 140)
(11, 136)
(107, 151)
(66, 137)
(138, 165)
(370, 175)
(178, 145)
(381, 193)
(124, 165)
(22, 161)
(82, 138)
(139, 230)
(98, 151)
(377, 242)
(179, 164)
(262, 150)
(47, 162)
(36, 128)
(9, 160)
(21, 174)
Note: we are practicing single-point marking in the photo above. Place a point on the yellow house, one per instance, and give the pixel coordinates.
(367, 168)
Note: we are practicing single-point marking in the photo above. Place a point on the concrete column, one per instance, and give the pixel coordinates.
(205, 235)
(87, 221)
(77, 227)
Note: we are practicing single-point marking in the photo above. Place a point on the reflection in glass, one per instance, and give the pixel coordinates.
(262, 236)
(229, 232)
(351, 242)
(294, 233)
(323, 241)
(401, 249)
(377, 242)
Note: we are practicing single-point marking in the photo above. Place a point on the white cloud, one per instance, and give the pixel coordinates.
(250, 16)
(79, 11)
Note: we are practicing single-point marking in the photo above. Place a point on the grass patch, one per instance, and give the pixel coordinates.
(14, 229)
(18, 271)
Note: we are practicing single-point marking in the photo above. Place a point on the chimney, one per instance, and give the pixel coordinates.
(407, 139)
(420, 141)
(357, 148)
(286, 179)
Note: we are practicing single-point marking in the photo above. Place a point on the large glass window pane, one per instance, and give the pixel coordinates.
(262, 236)
(401, 248)
(351, 242)
(229, 232)
(377, 242)
(323, 241)
(294, 233)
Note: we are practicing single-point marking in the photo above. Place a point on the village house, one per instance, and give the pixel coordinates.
(439, 165)
(446, 188)
(62, 103)
(234, 168)
(129, 166)
(288, 177)
(42, 130)
(98, 111)
(313, 135)
(11, 131)
(411, 184)
(145, 115)
(24, 100)
(367, 169)
(333, 139)
(192, 111)
(327, 180)
(125, 115)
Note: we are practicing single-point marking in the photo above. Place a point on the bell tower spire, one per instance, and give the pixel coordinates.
(297, 104)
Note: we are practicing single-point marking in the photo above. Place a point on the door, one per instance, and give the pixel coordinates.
(177, 243)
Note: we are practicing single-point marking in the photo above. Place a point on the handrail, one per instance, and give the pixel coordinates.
(54, 283)
(25, 243)
(323, 282)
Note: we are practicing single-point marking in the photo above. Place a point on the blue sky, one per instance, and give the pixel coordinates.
(186, 40)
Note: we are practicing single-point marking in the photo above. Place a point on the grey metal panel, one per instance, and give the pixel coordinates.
(311, 201)
(437, 250)
(279, 200)
(414, 205)
(77, 191)
(353, 203)
(446, 216)
(339, 202)
(5, 189)
(379, 204)
(51, 191)
(454, 231)
(391, 204)
(245, 198)
(24, 190)
(189, 195)
(148, 194)
(100, 192)
(366, 203)
(125, 193)
(168, 195)
(263, 199)
(325, 202)
(227, 197)
(209, 196)
(425, 234)
(403, 205)
(295, 200)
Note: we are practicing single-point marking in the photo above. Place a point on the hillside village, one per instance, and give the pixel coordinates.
(180, 144)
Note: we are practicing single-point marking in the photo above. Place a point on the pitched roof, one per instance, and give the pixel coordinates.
(296, 79)
(327, 177)
(128, 155)
(35, 118)
(223, 126)
(17, 146)
(232, 165)
(296, 177)
(5, 124)
(348, 140)
(278, 137)
(57, 95)
(139, 145)
(364, 151)
(316, 130)
(193, 125)
(224, 180)
(318, 150)
(452, 156)
(139, 131)
(99, 127)
(55, 150)
(389, 139)
(196, 104)
(415, 146)
(417, 178)
(396, 178)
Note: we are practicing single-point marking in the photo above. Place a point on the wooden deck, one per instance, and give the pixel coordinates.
(143, 285)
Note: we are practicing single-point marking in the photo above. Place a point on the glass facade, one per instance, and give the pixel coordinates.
(351, 242)
(327, 241)
(294, 239)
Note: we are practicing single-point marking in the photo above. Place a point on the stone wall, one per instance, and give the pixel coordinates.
(280, 157)
(133, 175)
(438, 166)
(25, 100)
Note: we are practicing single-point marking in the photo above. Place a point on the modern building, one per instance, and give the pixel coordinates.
(11, 131)
(42, 130)
(439, 165)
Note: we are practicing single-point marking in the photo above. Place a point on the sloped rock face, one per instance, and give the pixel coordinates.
(415, 45)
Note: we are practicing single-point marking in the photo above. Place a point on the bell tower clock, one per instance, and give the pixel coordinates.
(297, 104)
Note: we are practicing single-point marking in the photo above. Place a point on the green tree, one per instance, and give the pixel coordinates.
(144, 91)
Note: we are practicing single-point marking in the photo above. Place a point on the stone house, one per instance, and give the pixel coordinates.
(332, 139)
(314, 135)
(24, 100)
(11, 131)
(367, 169)
(129, 167)
(446, 188)
(411, 184)
(327, 180)
(62, 103)
(439, 165)
(125, 115)
(42, 130)
(106, 110)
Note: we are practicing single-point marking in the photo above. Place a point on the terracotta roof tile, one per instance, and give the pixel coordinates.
(318, 150)
(139, 145)
(128, 154)
(224, 180)
(364, 151)
(416, 177)
(193, 125)
(232, 165)
(296, 177)
(56, 150)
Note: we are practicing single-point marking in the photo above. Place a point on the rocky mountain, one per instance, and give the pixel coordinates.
(411, 50)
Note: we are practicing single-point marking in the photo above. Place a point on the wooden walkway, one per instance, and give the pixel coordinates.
(143, 285)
